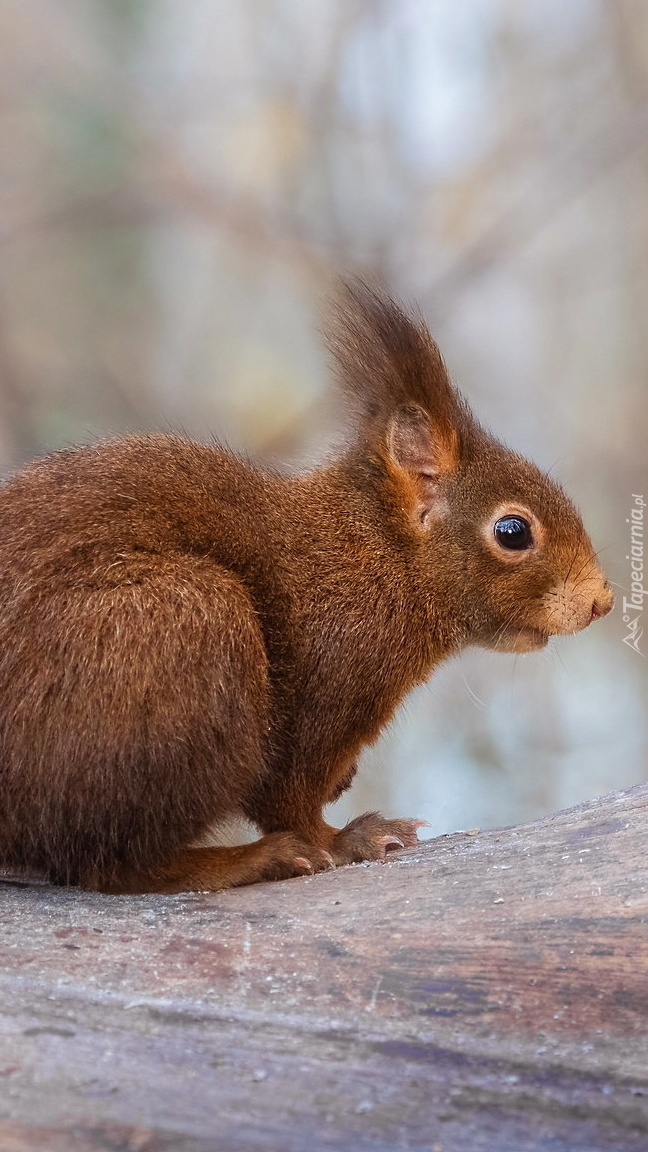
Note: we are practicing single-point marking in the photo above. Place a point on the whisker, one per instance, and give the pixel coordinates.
(473, 695)
(514, 621)
(590, 560)
(555, 652)
(572, 564)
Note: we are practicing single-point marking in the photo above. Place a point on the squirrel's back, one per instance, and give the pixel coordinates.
(146, 493)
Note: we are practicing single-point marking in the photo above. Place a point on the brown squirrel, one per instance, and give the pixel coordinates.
(184, 636)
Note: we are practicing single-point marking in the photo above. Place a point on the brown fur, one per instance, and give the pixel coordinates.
(184, 636)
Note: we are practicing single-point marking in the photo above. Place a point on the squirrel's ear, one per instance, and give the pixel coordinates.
(422, 454)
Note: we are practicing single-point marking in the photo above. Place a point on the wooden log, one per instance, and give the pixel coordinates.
(485, 991)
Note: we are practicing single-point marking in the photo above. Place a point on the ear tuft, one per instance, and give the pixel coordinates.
(387, 360)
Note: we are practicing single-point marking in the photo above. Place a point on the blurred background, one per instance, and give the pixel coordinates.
(180, 183)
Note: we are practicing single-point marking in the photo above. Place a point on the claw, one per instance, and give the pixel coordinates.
(388, 841)
(327, 858)
(421, 824)
(303, 863)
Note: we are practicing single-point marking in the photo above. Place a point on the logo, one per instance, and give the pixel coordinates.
(633, 605)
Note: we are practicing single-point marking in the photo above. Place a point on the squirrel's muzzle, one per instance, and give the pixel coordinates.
(575, 604)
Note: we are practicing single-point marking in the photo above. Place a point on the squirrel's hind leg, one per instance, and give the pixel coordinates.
(278, 856)
(134, 717)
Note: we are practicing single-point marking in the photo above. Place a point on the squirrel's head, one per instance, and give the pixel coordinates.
(492, 540)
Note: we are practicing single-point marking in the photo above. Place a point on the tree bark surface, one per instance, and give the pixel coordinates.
(485, 991)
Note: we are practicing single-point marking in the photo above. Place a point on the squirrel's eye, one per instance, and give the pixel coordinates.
(513, 532)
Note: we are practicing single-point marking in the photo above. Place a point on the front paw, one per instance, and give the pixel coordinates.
(372, 837)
